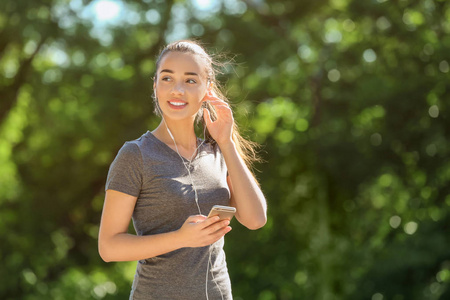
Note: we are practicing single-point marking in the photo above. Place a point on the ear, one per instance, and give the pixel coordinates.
(209, 88)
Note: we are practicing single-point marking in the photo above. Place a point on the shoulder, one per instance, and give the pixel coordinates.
(133, 149)
(129, 150)
(138, 144)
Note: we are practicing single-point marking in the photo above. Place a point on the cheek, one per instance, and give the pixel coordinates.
(160, 89)
(200, 92)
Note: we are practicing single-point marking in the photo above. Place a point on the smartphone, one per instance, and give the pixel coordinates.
(224, 212)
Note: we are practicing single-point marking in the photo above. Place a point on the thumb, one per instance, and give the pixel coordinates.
(196, 219)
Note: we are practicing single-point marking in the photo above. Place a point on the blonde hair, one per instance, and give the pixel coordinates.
(245, 148)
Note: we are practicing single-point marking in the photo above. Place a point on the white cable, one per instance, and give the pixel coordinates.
(196, 202)
(212, 274)
(206, 281)
(190, 161)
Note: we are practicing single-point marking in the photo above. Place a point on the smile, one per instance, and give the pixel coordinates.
(177, 103)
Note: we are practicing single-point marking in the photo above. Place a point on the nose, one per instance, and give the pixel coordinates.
(177, 89)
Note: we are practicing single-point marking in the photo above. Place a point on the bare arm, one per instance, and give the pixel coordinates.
(246, 195)
(115, 244)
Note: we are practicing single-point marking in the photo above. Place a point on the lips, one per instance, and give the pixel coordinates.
(177, 104)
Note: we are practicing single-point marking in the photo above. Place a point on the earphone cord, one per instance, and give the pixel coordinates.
(190, 161)
(207, 271)
(196, 202)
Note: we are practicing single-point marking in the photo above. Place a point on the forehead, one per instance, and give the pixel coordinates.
(180, 62)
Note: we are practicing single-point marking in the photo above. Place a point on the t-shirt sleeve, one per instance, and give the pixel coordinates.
(125, 172)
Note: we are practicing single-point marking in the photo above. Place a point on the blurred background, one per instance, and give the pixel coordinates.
(349, 100)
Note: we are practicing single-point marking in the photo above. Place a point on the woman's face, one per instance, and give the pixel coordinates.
(180, 85)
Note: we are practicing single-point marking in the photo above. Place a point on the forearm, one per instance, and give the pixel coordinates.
(128, 247)
(246, 194)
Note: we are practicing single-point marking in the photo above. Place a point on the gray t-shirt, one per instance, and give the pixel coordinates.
(150, 170)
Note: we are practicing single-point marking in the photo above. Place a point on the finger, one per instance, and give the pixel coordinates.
(220, 105)
(211, 95)
(218, 101)
(217, 226)
(217, 235)
(209, 221)
(222, 108)
(220, 233)
(216, 97)
(223, 111)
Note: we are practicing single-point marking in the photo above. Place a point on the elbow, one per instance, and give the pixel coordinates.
(104, 253)
(257, 224)
(105, 258)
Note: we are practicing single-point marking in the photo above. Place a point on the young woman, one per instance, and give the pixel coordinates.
(168, 180)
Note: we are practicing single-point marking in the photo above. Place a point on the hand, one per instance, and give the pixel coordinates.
(221, 129)
(200, 231)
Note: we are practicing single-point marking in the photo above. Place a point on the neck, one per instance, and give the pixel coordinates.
(182, 132)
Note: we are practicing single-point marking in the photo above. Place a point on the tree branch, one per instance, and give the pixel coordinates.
(8, 94)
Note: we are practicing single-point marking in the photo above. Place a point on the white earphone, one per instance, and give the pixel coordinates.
(193, 187)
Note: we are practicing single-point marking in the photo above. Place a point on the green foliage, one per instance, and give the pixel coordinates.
(349, 100)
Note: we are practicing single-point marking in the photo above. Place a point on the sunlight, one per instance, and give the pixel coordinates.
(106, 10)
(203, 4)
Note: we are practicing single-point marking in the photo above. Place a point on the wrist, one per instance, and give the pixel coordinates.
(227, 145)
(178, 239)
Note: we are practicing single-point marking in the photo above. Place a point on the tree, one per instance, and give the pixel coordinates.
(347, 98)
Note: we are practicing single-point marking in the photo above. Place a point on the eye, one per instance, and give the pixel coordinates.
(191, 81)
(166, 78)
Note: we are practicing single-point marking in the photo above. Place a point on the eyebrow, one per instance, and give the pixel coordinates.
(186, 73)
